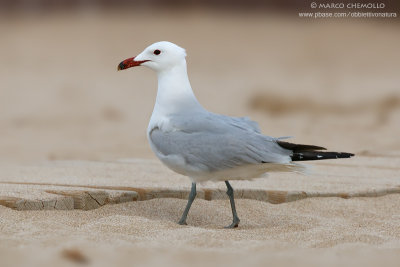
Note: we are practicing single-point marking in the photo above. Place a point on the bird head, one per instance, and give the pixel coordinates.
(158, 56)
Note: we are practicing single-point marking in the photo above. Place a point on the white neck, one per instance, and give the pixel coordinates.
(174, 93)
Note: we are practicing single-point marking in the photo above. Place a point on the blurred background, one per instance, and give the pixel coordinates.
(330, 82)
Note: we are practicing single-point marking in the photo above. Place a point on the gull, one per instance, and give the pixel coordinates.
(206, 146)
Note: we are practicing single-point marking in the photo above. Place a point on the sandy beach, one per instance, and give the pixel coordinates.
(80, 185)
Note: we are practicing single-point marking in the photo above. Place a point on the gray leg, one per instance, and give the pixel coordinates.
(192, 195)
(229, 192)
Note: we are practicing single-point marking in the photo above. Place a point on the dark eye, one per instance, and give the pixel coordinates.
(157, 52)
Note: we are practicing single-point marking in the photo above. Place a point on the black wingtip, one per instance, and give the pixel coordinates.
(299, 147)
(310, 152)
(320, 155)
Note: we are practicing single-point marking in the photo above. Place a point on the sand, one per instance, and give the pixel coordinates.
(73, 132)
(317, 230)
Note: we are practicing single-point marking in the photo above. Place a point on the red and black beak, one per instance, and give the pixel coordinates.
(129, 63)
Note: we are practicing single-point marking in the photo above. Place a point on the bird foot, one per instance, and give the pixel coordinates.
(181, 222)
(234, 224)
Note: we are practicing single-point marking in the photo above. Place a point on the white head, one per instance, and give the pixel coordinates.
(159, 56)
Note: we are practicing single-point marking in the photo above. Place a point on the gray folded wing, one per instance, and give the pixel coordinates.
(221, 147)
(204, 121)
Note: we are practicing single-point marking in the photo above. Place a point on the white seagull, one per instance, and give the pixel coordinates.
(206, 146)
